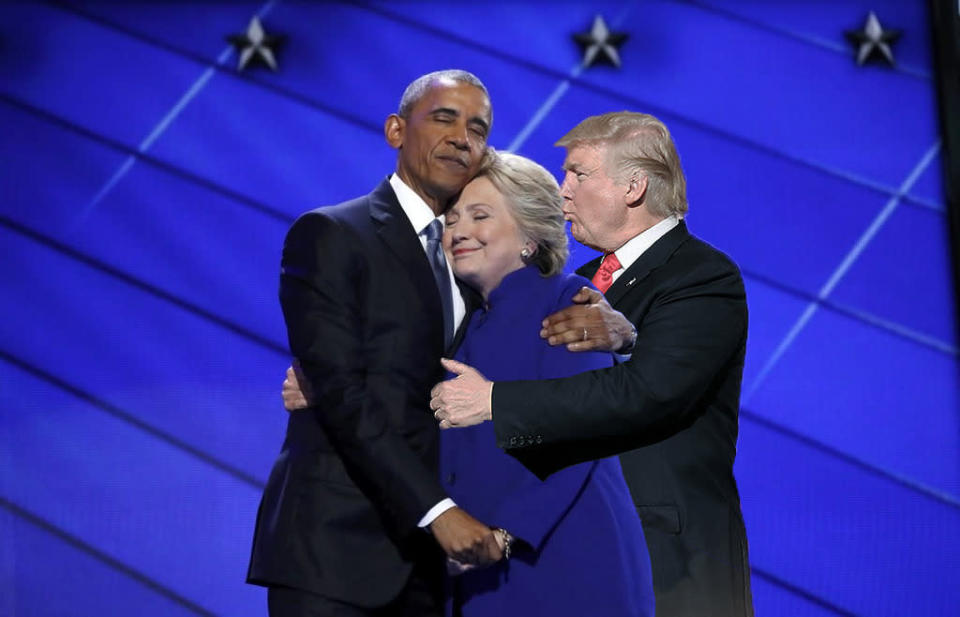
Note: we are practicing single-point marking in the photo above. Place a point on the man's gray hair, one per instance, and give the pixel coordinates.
(419, 86)
(637, 144)
(533, 196)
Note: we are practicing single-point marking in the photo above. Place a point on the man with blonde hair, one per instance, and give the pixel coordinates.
(671, 409)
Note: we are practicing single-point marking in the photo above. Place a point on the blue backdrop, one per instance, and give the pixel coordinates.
(146, 188)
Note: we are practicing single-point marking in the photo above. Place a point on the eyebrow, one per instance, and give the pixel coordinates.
(456, 112)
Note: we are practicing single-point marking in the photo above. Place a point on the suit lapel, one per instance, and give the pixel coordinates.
(394, 229)
(650, 260)
(472, 301)
(590, 268)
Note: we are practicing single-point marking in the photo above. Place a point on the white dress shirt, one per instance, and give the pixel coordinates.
(633, 249)
(420, 216)
(637, 245)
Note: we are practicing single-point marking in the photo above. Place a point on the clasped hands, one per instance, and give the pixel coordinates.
(467, 542)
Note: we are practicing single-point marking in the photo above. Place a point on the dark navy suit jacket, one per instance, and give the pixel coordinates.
(357, 472)
(671, 413)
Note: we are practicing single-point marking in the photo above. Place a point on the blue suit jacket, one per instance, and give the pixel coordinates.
(581, 549)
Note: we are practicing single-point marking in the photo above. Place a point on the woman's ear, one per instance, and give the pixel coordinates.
(528, 250)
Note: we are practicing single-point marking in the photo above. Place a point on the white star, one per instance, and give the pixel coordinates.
(255, 43)
(873, 39)
(600, 42)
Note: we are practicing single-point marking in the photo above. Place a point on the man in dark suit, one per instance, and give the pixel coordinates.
(353, 517)
(671, 409)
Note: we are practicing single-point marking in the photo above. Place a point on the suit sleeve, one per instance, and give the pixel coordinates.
(533, 511)
(323, 267)
(691, 333)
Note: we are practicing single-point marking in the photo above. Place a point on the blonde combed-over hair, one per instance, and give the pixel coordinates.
(637, 144)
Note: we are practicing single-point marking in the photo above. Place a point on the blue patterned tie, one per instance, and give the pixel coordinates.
(438, 262)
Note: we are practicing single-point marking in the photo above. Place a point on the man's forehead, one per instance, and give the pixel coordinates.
(584, 154)
(448, 90)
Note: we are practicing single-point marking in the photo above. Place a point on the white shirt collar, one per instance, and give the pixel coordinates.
(414, 207)
(420, 216)
(636, 246)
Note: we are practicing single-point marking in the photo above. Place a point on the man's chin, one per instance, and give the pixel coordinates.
(577, 232)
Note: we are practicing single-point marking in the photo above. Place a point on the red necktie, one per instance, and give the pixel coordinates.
(604, 276)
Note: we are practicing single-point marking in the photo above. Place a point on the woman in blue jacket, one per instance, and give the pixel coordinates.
(578, 547)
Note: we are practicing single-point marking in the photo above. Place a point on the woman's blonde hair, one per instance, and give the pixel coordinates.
(533, 196)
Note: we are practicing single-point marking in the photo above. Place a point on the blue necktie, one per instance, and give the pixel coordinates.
(438, 262)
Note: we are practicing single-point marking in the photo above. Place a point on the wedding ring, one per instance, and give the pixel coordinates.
(584, 334)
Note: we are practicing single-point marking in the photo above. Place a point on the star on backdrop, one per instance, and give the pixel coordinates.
(256, 46)
(873, 42)
(600, 44)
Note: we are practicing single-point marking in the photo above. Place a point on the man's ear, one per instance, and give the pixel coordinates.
(636, 190)
(393, 130)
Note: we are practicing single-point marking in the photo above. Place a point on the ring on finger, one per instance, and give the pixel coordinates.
(584, 334)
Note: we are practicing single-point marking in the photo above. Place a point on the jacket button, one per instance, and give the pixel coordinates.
(451, 478)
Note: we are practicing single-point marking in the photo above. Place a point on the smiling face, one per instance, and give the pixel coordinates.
(442, 140)
(482, 238)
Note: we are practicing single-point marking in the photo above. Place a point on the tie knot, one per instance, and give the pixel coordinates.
(610, 263)
(434, 230)
(603, 278)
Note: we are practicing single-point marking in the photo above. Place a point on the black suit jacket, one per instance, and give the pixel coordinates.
(340, 510)
(670, 411)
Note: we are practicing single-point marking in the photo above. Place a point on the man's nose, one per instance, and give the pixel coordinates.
(458, 136)
(565, 191)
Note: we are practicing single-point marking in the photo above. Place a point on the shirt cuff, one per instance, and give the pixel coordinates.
(436, 511)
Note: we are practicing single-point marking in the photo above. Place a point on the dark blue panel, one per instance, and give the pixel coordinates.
(929, 186)
(903, 275)
(215, 253)
(335, 59)
(49, 171)
(852, 538)
(825, 22)
(776, 600)
(131, 496)
(8, 556)
(198, 27)
(52, 578)
(534, 31)
(764, 211)
(876, 396)
(278, 151)
(166, 366)
(772, 313)
(806, 101)
(91, 75)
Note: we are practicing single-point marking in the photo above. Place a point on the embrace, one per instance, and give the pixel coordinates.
(370, 510)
